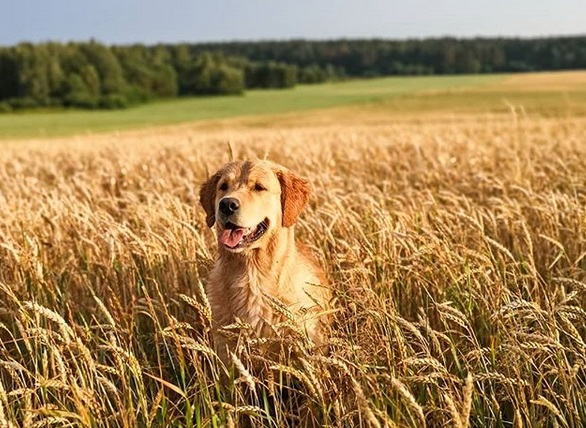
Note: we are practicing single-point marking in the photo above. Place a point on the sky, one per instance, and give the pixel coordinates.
(153, 21)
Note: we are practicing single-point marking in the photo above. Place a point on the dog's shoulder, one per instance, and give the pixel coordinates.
(309, 258)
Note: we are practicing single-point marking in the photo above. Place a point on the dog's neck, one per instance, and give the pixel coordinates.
(256, 274)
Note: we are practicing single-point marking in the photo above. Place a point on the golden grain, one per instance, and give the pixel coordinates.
(410, 400)
(455, 246)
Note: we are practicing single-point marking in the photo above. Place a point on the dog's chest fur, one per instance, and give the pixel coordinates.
(249, 302)
(245, 293)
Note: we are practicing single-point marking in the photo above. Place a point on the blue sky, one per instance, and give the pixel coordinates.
(151, 21)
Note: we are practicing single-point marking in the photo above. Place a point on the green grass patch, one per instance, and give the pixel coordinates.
(257, 102)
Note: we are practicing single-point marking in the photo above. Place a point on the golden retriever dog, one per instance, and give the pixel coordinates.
(254, 206)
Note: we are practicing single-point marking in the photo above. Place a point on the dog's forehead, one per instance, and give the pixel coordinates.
(230, 171)
(261, 171)
(250, 171)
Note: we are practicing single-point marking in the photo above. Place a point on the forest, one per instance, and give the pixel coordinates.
(93, 75)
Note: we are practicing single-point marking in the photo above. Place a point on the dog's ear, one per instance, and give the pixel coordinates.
(295, 193)
(207, 197)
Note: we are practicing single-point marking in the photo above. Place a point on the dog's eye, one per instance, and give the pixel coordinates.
(259, 187)
(224, 186)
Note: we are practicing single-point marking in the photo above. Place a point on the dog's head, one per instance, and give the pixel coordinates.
(247, 201)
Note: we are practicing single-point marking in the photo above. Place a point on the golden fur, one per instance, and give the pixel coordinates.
(248, 272)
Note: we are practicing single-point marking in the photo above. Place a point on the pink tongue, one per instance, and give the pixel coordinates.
(232, 237)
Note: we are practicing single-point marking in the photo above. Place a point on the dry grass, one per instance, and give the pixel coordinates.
(546, 81)
(456, 251)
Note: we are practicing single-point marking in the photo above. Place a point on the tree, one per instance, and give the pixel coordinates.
(32, 67)
(91, 79)
(77, 93)
(107, 65)
(271, 75)
(164, 83)
(312, 74)
(227, 80)
(9, 79)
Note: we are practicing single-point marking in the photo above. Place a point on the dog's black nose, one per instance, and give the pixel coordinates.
(229, 206)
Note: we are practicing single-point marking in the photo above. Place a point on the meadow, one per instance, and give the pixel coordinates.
(255, 102)
(451, 223)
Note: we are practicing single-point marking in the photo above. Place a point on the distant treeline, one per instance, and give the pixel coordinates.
(366, 58)
(93, 75)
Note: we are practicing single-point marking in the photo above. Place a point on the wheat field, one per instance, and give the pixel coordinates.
(455, 248)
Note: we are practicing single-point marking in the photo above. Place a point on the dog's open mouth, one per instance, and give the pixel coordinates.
(234, 236)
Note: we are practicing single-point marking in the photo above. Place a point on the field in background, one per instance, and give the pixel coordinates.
(546, 94)
(255, 102)
(455, 241)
